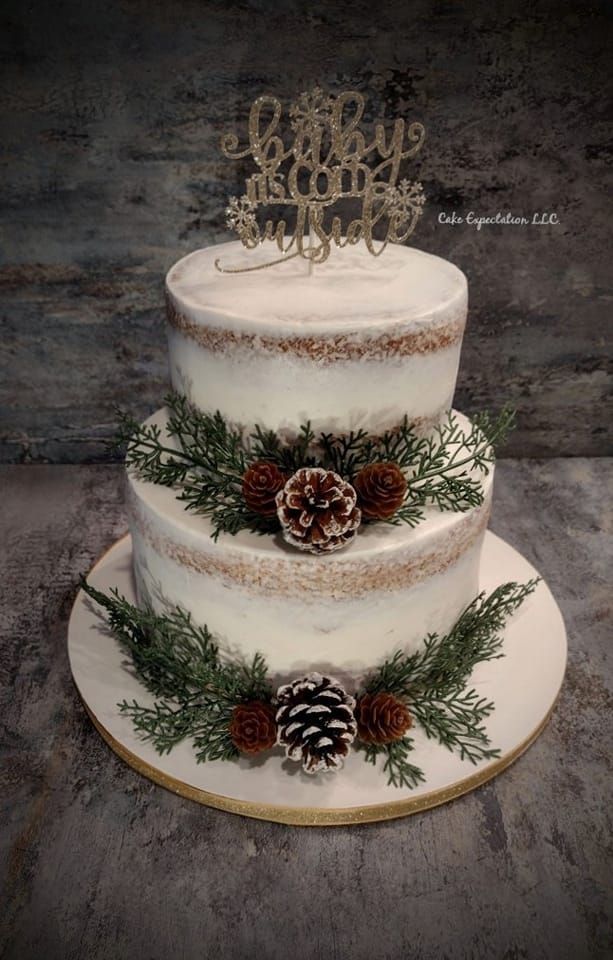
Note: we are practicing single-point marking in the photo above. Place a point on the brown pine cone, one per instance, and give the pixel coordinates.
(382, 718)
(253, 727)
(261, 483)
(317, 510)
(380, 488)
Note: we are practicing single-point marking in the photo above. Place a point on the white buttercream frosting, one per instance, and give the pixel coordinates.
(358, 342)
(348, 290)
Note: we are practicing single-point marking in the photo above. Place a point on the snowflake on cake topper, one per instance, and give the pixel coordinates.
(405, 201)
(240, 215)
(331, 159)
(311, 110)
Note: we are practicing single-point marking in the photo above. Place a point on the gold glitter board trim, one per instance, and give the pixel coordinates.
(318, 816)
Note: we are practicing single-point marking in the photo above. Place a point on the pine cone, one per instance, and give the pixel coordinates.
(315, 722)
(380, 488)
(253, 728)
(381, 718)
(261, 483)
(317, 510)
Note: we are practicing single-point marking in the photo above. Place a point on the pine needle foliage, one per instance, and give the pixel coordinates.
(433, 684)
(400, 771)
(179, 664)
(205, 459)
(195, 690)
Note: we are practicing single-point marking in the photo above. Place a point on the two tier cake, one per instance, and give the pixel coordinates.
(359, 343)
(308, 512)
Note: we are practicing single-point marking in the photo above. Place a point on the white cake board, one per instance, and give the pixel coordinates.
(523, 684)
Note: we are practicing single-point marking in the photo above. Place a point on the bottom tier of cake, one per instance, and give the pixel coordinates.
(270, 788)
(340, 613)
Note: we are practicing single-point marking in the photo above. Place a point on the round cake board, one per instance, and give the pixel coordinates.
(523, 684)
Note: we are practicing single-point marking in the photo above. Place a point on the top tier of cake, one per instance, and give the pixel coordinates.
(357, 342)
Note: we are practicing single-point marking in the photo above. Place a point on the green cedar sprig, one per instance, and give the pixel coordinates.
(446, 468)
(197, 691)
(288, 456)
(202, 457)
(432, 682)
(180, 665)
(205, 460)
(400, 771)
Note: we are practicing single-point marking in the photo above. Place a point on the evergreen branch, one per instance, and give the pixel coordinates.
(410, 513)
(400, 772)
(178, 663)
(445, 662)
(223, 502)
(205, 460)
(289, 456)
(432, 681)
(497, 429)
(456, 722)
(206, 465)
(212, 445)
(212, 741)
(443, 473)
(172, 656)
(165, 727)
(197, 691)
(441, 468)
(346, 455)
(148, 456)
(162, 724)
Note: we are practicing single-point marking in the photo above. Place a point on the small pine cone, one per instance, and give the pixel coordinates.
(261, 483)
(380, 488)
(253, 727)
(315, 722)
(317, 510)
(381, 718)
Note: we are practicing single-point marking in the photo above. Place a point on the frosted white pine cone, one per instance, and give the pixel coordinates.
(317, 510)
(315, 722)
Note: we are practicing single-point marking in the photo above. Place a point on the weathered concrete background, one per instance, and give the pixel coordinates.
(96, 863)
(111, 117)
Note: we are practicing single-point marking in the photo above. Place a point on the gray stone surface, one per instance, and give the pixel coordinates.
(111, 114)
(98, 863)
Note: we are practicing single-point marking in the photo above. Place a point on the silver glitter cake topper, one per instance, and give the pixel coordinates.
(329, 160)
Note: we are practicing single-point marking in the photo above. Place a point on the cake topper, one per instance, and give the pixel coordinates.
(330, 159)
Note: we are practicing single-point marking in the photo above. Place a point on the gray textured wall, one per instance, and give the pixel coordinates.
(111, 116)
